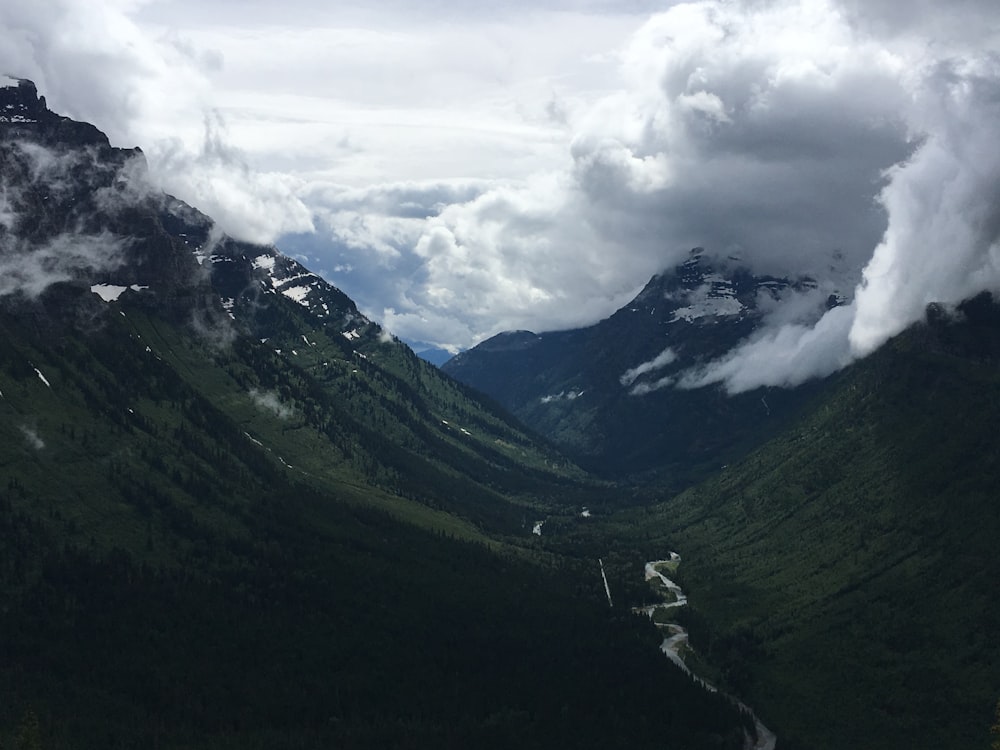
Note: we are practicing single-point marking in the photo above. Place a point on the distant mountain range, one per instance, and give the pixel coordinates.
(606, 393)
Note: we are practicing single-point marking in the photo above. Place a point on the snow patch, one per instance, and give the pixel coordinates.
(297, 294)
(264, 261)
(108, 292)
(42, 377)
(715, 298)
(713, 306)
(111, 292)
(352, 334)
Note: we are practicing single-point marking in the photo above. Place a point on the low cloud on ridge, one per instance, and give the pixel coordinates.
(941, 245)
(30, 266)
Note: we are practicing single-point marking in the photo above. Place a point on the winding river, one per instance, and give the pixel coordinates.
(676, 638)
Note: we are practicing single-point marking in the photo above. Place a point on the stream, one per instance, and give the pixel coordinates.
(676, 638)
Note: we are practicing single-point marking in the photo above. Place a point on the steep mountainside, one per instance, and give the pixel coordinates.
(92, 246)
(844, 575)
(235, 513)
(604, 393)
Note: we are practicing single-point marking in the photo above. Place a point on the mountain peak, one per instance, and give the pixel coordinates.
(24, 113)
(20, 102)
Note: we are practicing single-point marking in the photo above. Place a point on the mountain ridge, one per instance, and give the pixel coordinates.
(578, 387)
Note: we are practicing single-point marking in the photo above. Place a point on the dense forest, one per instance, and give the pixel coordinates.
(236, 513)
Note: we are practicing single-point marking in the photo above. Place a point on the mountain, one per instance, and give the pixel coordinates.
(604, 393)
(234, 512)
(842, 577)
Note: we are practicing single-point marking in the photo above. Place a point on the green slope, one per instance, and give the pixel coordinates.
(183, 567)
(845, 574)
(234, 513)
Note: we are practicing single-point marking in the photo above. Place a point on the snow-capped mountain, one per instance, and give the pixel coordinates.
(608, 394)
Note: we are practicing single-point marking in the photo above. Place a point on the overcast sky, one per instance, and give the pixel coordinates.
(465, 170)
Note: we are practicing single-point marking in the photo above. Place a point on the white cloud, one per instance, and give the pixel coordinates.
(8, 215)
(661, 360)
(641, 389)
(93, 62)
(32, 437)
(249, 205)
(788, 133)
(270, 401)
(783, 356)
(31, 269)
(764, 131)
(942, 242)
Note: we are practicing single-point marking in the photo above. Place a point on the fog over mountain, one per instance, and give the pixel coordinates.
(462, 172)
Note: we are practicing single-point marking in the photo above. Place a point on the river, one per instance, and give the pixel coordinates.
(676, 638)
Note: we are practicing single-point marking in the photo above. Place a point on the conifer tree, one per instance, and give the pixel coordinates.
(29, 734)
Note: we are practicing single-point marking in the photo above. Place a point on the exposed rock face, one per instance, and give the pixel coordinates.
(23, 113)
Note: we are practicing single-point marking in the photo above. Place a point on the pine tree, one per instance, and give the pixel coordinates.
(29, 734)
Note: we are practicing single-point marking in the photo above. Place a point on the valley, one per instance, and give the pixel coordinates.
(237, 512)
(216, 471)
(675, 640)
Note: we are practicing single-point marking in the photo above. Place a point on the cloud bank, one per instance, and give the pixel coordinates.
(763, 131)
(941, 243)
(484, 174)
(802, 137)
(661, 360)
(93, 62)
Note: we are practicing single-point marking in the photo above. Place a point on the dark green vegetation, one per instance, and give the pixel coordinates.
(843, 577)
(576, 387)
(234, 514)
